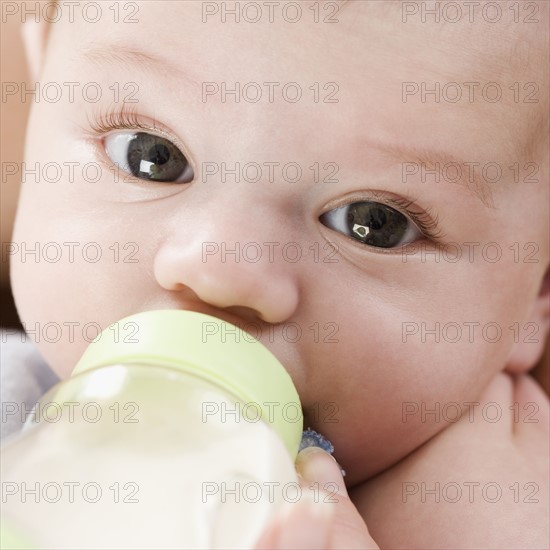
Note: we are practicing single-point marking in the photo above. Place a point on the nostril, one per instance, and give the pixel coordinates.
(264, 293)
(248, 314)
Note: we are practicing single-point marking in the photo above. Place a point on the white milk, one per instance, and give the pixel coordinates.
(154, 471)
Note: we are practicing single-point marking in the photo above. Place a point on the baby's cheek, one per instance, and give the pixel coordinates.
(72, 277)
(399, 401)
(395, 379)
(78, 265)
(64, 308)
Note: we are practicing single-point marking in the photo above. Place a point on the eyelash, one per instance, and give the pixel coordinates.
(118, 118)
(427, 222)
(126, 118)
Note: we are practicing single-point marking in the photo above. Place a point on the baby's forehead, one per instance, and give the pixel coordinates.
(405, 34)
(393, 63)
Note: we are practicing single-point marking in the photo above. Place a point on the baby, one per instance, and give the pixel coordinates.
(363, 186)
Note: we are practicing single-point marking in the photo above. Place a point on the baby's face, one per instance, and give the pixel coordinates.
(344, 271)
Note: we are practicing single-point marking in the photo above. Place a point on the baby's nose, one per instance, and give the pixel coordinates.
(230, 271)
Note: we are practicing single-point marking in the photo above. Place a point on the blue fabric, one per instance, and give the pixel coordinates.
(24, 378)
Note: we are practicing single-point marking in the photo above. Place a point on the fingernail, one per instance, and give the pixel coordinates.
(309, 451)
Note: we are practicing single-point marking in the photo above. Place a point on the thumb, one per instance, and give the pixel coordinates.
(325, 518)
(320, 471)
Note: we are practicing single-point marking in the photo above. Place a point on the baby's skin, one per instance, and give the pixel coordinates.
(420, 295)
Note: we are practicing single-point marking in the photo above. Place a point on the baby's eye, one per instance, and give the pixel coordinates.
(148, 157)
(372, 223)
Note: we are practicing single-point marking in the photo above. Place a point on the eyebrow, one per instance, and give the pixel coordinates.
(147, 62)
(445, 164)
(425, 159)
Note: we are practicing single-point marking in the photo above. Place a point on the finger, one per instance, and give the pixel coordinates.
(321, 473)
(300, 526)
(316, 466)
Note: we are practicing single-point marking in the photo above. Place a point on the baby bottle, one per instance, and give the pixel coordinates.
(175, 430)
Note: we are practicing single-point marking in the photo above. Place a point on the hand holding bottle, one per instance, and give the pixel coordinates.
(315, 522)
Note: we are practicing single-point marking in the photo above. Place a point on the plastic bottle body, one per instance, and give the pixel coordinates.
(140, 456)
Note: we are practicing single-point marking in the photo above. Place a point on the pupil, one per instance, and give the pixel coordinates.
(159, 154)
(377, 218)
(376, 225)
(372, 217)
